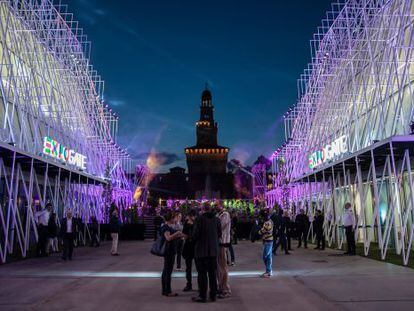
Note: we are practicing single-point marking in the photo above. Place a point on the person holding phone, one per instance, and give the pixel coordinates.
(171, 237)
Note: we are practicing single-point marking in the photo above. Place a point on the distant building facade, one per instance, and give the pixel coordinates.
(173, 184)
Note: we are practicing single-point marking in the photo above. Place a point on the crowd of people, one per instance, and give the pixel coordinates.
(207, 235)
(204, 238)
(62, 236)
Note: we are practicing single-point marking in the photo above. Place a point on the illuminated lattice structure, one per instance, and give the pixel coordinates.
(348, 136)
(52, 115)
(259, 181)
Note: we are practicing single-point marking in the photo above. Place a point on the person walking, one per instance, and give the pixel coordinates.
(67, 232)
(52, 229)
(206, 235)
(267, 237)
(94, 226)
(115, 228)
(225, 242)
(349, 225)
(302, 227)
(279, 232)
(171, 236)
(42, 219)
(318, 229)
(78, 229)
(188, 248)
(288, 228)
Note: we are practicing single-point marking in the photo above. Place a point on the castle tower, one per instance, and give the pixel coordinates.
(206, 157)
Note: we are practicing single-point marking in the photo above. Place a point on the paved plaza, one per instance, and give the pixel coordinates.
(306, 280)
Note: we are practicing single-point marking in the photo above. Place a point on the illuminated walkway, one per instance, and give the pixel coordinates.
(305, 280)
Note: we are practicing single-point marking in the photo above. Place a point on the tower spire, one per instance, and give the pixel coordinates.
(206, 98)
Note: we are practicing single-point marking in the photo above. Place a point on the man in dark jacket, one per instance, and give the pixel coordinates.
(280, 227)
(206, 236)
(302, 227)
(318, 229)
(67, 232)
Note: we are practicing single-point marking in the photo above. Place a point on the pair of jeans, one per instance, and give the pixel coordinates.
(114, 248)
(42, 240)
(188, 271)
(52, 242)
(267, 255)
(180, 244)
(166, 274)
(67, 246)
(288, 242)
(94, 239)
(223, 272)
(320, 240)
(280, 241)
(231, 250)
(350, 239)
(303, 235)
(207, 275)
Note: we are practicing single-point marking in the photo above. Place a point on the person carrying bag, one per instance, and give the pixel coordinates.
(166, 246)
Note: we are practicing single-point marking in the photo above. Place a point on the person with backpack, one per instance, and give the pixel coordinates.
(171, 237)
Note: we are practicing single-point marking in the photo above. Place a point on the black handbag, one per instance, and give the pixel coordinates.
(159, 246)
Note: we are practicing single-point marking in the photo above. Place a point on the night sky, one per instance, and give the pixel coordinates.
(156, 56)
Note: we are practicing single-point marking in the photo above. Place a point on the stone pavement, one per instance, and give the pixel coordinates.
(306, 280)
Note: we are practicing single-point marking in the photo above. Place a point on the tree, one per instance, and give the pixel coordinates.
(263, 160)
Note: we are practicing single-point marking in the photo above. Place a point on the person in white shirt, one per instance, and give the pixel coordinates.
(67, 232)
(42, 220)
(348, 220)
(222, 268)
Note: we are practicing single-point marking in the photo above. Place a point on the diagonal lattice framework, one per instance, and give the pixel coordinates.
(48, 88)
(359, 81)
(359, 85)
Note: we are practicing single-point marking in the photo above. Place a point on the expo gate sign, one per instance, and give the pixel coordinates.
(56, 150)
(331, 151)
